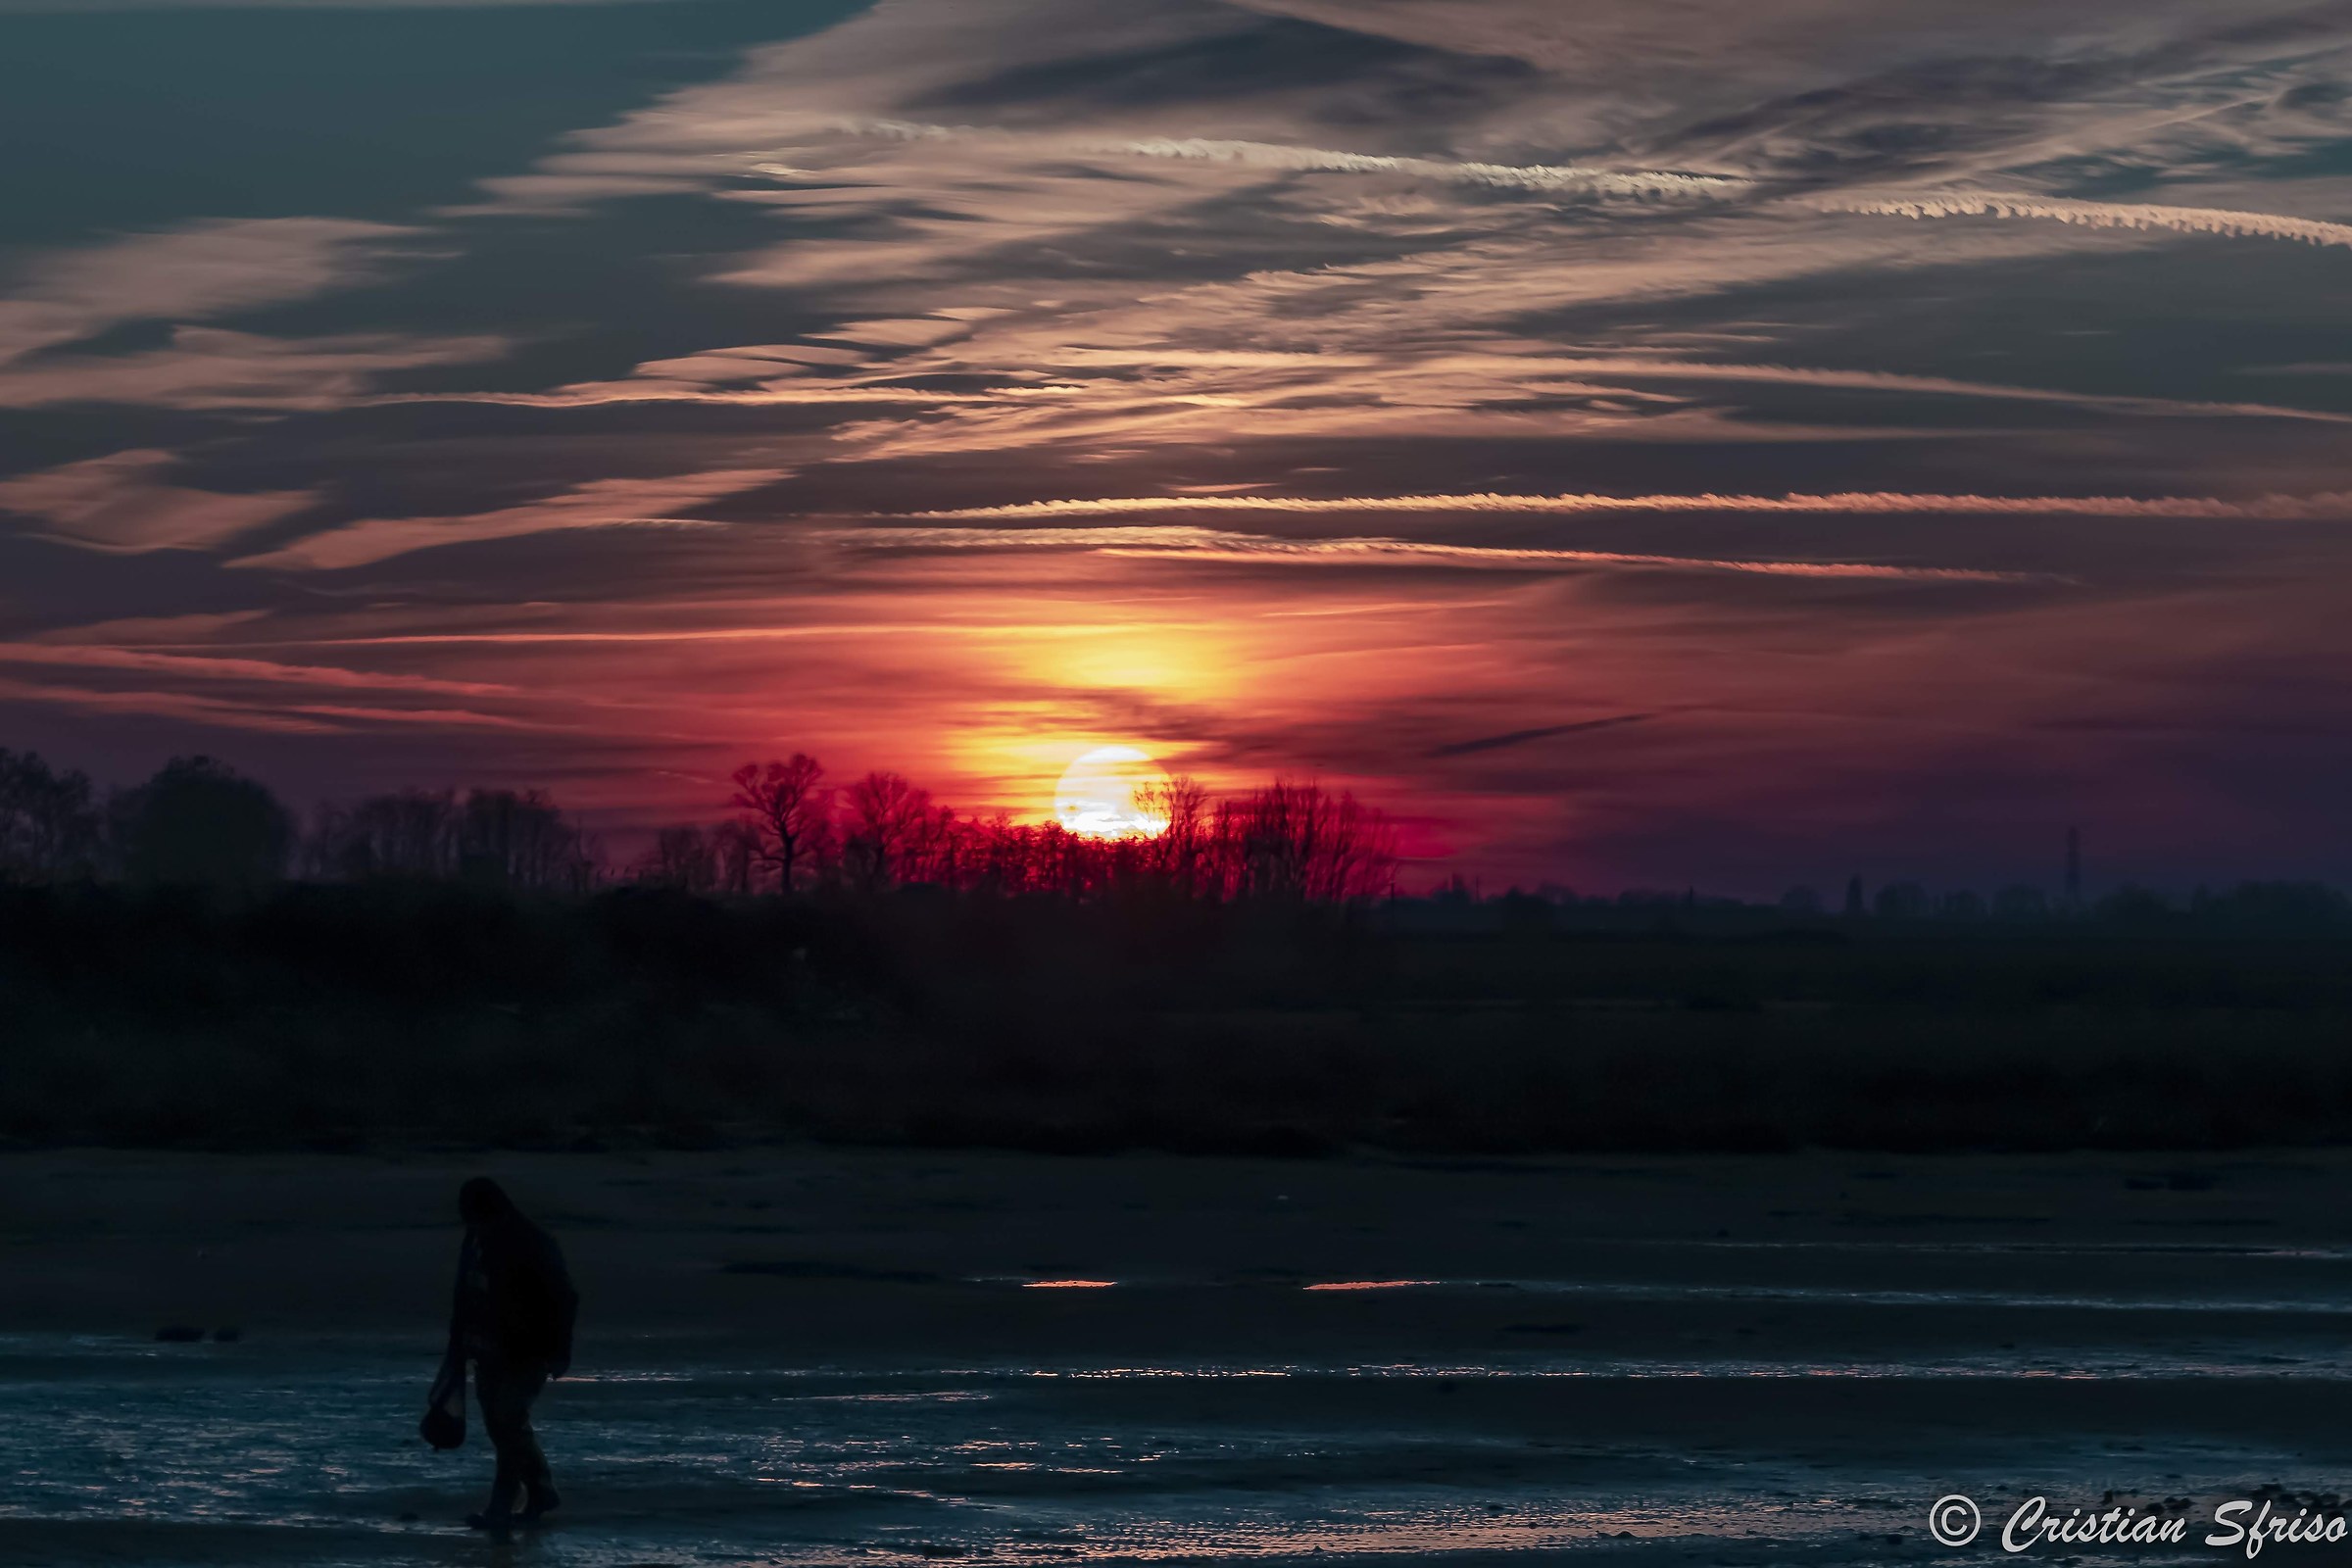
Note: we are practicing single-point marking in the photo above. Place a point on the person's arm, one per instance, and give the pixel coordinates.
(444, 1424)
(449, 1384)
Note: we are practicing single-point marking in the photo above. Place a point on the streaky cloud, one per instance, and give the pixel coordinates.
(204, 269)
(597, 503)
(2097, 214)
(1674, 369)
(120, 505)
(2265, 509)
(1208, 544)
(76, 655)
(1284, 158)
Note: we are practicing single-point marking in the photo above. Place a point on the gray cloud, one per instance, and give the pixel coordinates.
(122, 503)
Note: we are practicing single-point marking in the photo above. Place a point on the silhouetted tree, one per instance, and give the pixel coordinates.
(412, 833)
(941, 849)
(2281, 906)
(1300, 841)
(887, 821)
(2133, 907)
(2021, 903)
(683, 858)
(786, 807)
(199, 822)
(49, 823)
(1524, 914)
(736, 847)
(1181, 853)
(520, 839)
(1901, 900)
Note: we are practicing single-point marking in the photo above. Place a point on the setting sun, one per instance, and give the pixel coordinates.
(1108, 794)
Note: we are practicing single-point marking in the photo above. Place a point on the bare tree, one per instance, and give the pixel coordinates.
(1181, 852)
(412, 833)
(887, 823)
(686, 857)
(1301, 841)
(735, 847)
(786, 807)
(49, 823)
(520, 839)
(939, 849)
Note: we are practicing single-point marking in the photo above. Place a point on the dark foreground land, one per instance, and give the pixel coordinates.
(840, 1355)
(394, 1016)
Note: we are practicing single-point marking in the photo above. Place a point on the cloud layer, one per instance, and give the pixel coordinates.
(1648, 440)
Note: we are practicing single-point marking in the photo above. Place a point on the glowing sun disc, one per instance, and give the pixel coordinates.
(1107, 794)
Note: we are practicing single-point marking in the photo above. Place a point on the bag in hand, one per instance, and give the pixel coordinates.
(444, 1423)
(443, 1428)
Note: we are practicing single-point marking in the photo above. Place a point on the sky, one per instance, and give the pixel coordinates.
(1729, 443)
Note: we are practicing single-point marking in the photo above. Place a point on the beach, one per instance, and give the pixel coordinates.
(827, 1354)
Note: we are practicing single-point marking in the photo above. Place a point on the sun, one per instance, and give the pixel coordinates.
(1108, 794)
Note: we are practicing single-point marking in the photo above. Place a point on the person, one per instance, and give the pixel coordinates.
(513, 1320)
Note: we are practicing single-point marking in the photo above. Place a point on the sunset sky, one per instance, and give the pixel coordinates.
(1637, 442)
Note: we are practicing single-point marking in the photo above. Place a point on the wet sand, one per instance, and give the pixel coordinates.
(831, 1355)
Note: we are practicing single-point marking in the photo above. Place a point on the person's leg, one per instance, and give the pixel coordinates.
(505, 1391)
(539, 1487)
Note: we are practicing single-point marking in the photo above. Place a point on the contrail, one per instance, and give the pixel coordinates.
(1210, 543)
(2097, 214)
(588, 397)
(2265, 508)
(1507, 176)
(1667, 369)
(1520, 737)
(1280, 156)
(1592, 179)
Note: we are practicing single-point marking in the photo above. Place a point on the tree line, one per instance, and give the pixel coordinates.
(198, 821)
(1284, 840)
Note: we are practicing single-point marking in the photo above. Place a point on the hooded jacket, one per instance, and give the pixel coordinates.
(514, 1302)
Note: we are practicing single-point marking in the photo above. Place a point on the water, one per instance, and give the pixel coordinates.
(686, 1452)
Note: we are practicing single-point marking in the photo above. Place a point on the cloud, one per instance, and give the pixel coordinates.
(182, 706)
(208, 269)
(1920, 385)
(212, 369)
(597, 503)
(1207, 543)
(1280, 158)
(82, 7)
(1235, 251)
(1467, 283)
(264, 716)
(121, 503)
(2098, 215)
(2267, 509)
(260, 672)
(202, 270)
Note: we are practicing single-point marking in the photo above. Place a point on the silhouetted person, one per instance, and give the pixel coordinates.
(513, 1320)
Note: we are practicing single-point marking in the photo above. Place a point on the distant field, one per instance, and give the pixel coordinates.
(435, 1014)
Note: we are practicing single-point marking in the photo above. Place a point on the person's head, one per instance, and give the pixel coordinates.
(482, 1200)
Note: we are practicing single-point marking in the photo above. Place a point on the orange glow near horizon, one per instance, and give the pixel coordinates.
(1107, 793)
